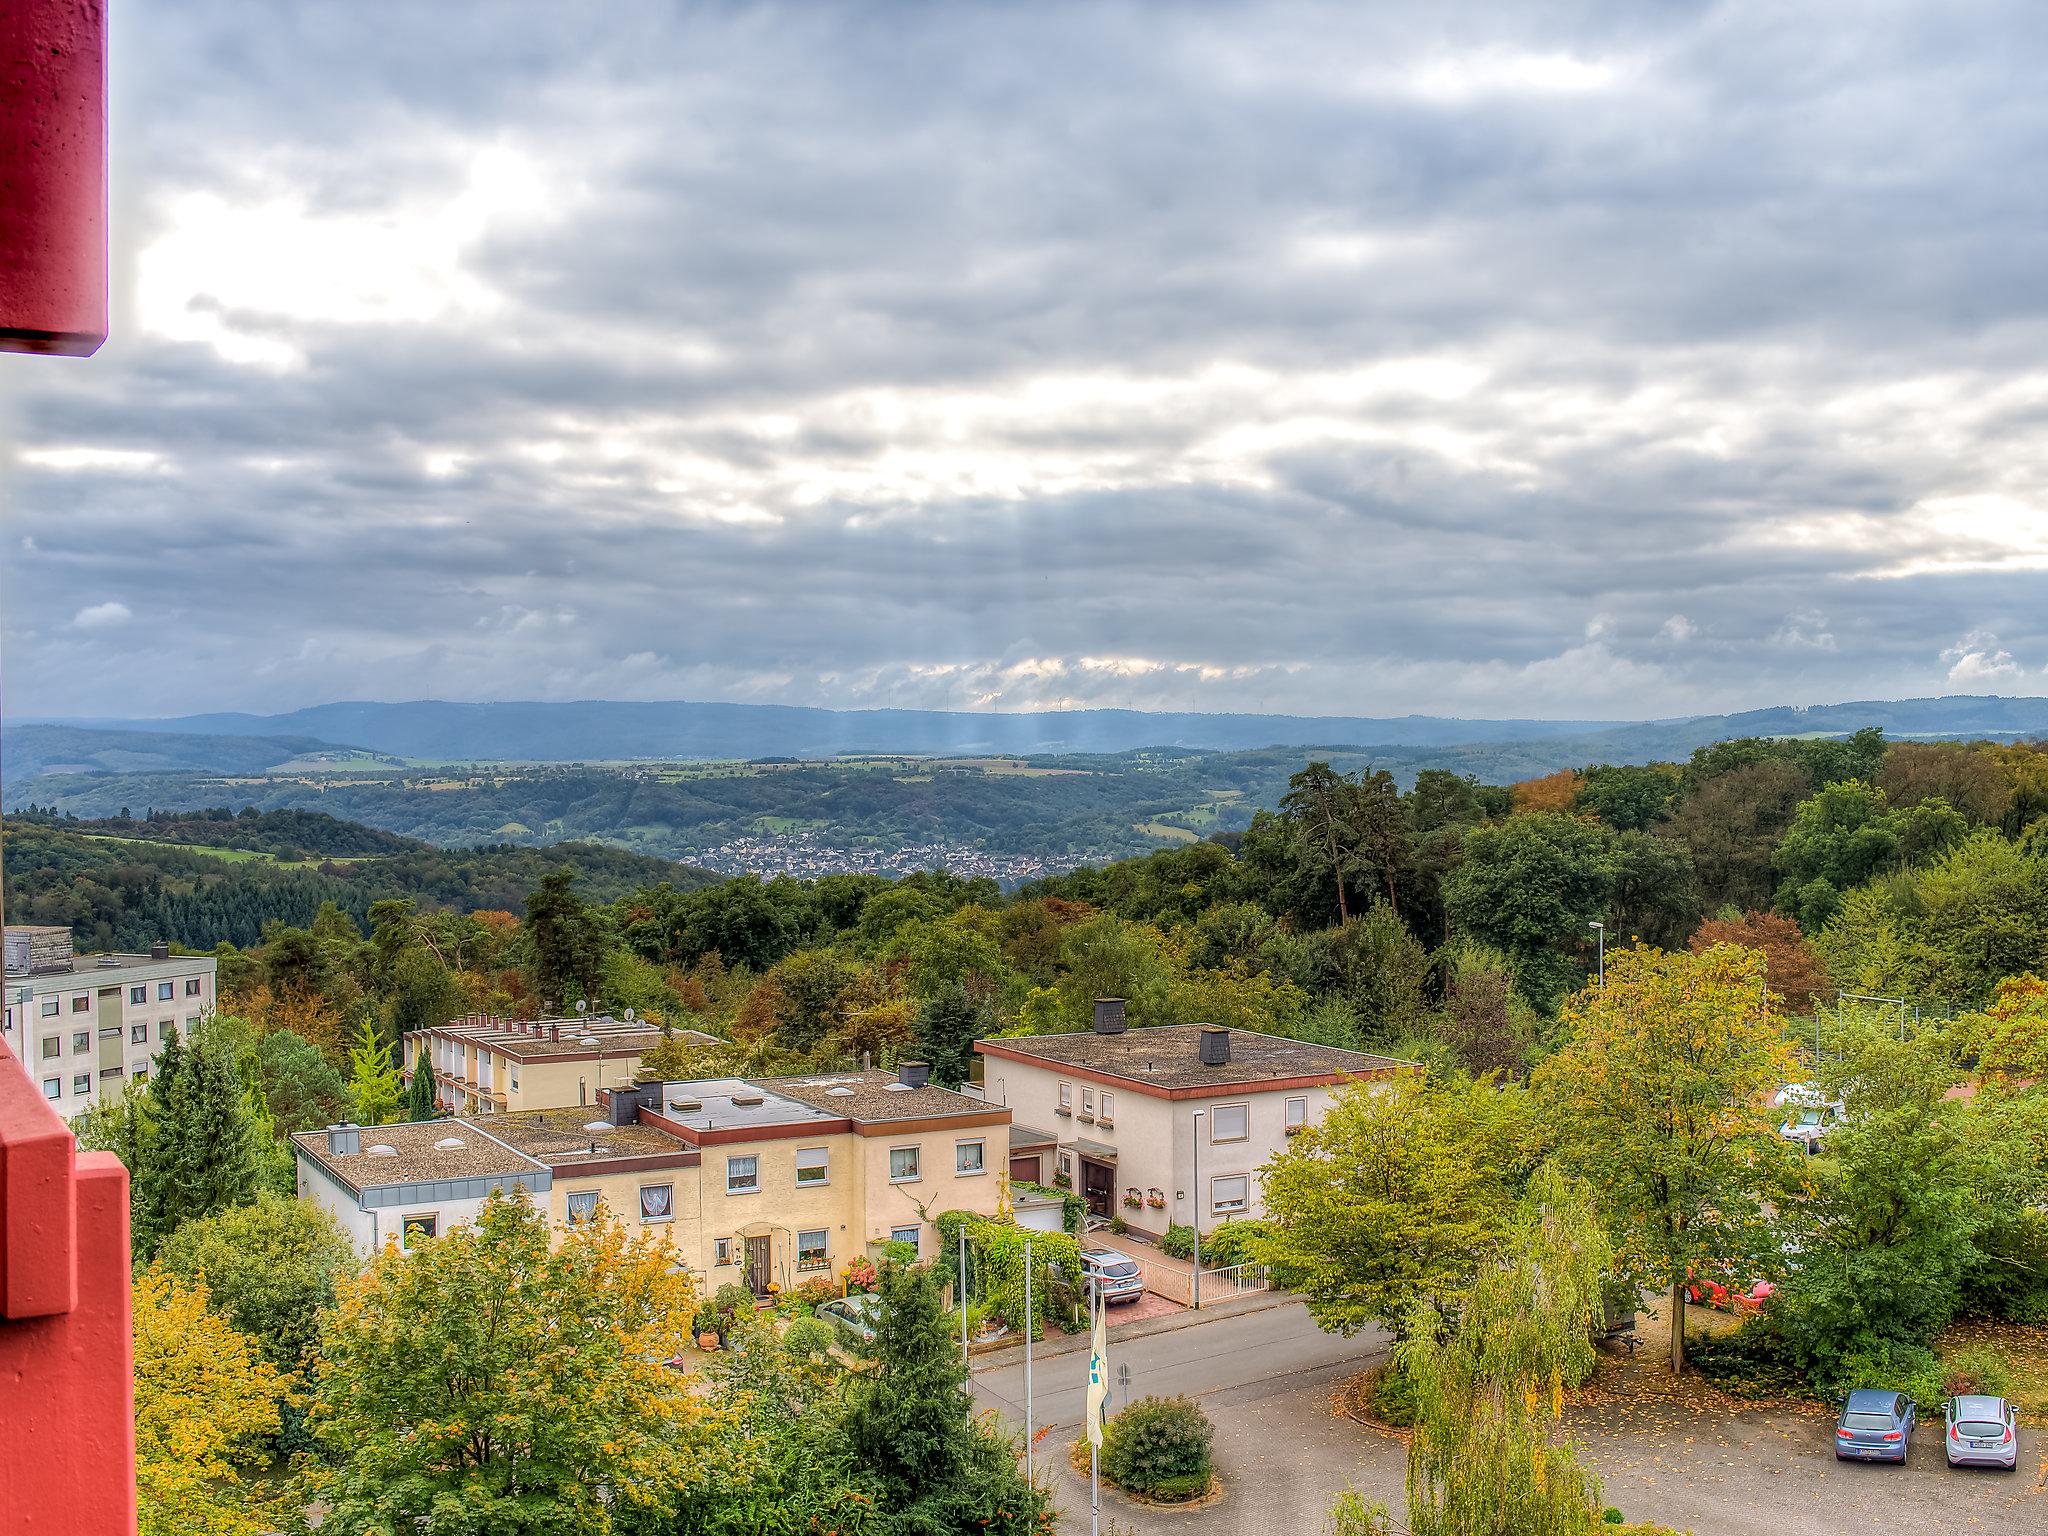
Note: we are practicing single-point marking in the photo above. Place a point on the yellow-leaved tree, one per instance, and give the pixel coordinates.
(1661, 1100)
(206, 1403)
(515, 1387)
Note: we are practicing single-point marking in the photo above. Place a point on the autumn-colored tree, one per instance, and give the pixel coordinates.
(1661, 1100)
(1486, 1458)
(1553, 792)
(1970, 778)
(1398, 1195)
(2009, 1038)
(486, 1381)
(1791, 968)
(206, 1401)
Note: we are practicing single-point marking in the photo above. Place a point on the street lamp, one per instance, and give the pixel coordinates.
(1600, 948)
(1196, 1216)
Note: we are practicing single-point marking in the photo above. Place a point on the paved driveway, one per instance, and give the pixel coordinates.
(1693, 1461)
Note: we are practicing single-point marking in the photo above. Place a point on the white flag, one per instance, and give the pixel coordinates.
(1098, 1377)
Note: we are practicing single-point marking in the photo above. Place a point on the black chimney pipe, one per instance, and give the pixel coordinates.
(1215, 1045)
(1109, 1015)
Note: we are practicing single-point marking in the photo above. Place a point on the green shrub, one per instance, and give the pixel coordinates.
(807, 1338)
(1179, 1242)
(1753, 1359)
(733, 1298)
(1974, 1369)
(1118, 1226)
(1887, 1366)
(1234, 1243)
(1393, 1396)
(1610, 1516)
(1156, 1442)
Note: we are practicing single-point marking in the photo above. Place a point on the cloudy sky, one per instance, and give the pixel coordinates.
(1617, 360)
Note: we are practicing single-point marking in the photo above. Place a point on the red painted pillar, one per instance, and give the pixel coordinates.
(67, 1349)
(53, 176)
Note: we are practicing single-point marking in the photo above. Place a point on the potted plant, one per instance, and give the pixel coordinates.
(860, 1276)
(1062, 1181)
(1133, 1200)
(1156, 1199)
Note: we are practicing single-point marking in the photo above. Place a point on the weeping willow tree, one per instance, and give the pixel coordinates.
(1488, 1458)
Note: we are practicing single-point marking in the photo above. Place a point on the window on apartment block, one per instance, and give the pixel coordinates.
(107, 1072)
(657, 1202)
(53, 1087)
(1087, 1101)
(903, 1165)
(82, 1003)
(1230, 1122)
(164, 1028)
(138, 994)
(416, 1228)
(721, 1251)
(968, 1157)
(908, 1235)
(1066, 1098)
(138, 1034)
(51, 1007)
(52, 1047)
(166, 990)
(812, 1166)
(81, 1041)
(742, 1175)
(1297, 1114)
(81, 1082)
(110, 1032)
(1107, 1113)
(192, 986)
(140, 1074)
(1230, 1192)
(810, 1249)
(582, 1206)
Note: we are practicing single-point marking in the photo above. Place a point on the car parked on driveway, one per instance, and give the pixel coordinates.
(852, 1317)
(1982, 1432)
(1874, 1426)
(1114, 1274)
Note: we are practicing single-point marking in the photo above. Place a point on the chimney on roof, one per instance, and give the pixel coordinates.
(159, 951)
(343, 1139)
(1215, 1045)
(1109, 1015)
(914, 1074)
(625, 1104)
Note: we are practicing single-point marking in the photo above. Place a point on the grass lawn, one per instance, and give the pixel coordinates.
(2021, 1349)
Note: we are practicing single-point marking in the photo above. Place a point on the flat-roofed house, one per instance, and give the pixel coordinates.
(484, 1064)
(1125, 1104)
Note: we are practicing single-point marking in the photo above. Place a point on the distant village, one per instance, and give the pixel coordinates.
(803, 856)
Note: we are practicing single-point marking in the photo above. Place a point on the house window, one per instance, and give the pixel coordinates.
(742, 1175)
(192, 986)
(967, 1158)
(140, 1074)
(1230, 1192)
(582, 1206)
(1087, 1101)
(138, 1034)
(138, 994)
(164, 1028)
(1066, 1098)
(1108, 1114)
(166, 990)
(657, 1202)
(52, 1047)
(721, 1251)
(810, 1249)
(908, 1235)
(51, 1008)
(81, 1082)
(1067, 1165)
(416, 1228)
(903, 1165)
(82, 1003)
(110, 1032)
(812, 1166)
(81, 1041)
(1230, 1122)
(53, 1087)
(1297, 1114)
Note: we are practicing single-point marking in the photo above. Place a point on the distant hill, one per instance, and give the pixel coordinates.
(599, 731)
(29, 750)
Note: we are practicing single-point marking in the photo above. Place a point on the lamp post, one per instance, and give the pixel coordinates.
(1196, 1214)
(1600, 948)
(1030, 1327)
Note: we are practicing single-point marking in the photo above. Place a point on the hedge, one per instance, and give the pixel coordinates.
(995, 1267)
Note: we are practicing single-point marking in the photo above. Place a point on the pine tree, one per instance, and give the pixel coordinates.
(373, 1080)
(910, 1423)
(202, 1154)
(420, 1101)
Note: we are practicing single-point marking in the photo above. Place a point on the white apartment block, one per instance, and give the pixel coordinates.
(86, 1026)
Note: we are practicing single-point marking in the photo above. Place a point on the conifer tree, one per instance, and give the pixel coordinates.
(420, 1101)
(202, 1154)
(373, 1080)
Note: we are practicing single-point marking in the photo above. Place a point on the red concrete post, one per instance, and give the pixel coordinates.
(53, 176)
(67, 1349)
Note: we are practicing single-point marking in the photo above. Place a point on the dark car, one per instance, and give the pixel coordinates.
(1875, 1426)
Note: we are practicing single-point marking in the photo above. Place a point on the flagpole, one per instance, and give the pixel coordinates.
(1029, 1321)
(1094, 1450)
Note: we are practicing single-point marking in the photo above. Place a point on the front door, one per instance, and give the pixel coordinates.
(758, 1262)
(1098, 1186)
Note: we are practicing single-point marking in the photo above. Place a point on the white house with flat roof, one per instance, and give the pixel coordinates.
(1179, 1116)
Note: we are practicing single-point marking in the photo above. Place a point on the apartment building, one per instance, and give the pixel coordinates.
(85, 1026)
(485, 1065)
(751, 1181)
(1176, 1118)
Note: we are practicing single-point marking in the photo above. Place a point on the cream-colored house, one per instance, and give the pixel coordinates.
(1179, 1116)
(757, 1182)
(487, 1065)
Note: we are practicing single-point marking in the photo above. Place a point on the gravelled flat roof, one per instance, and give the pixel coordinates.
(563, 1137)
(1167, 1056)
(415, 1159)
(869, 1096)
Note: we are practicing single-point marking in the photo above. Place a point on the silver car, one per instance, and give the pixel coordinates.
(852, 1317)
(1982, 1432)
(1115, 1275)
